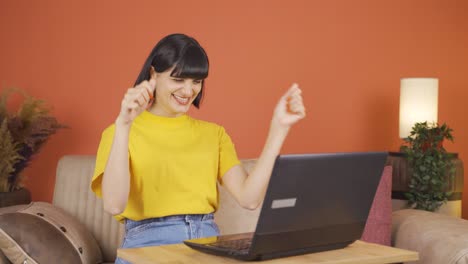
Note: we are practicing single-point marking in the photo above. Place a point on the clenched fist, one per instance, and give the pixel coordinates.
(290, 108)
(135, 101)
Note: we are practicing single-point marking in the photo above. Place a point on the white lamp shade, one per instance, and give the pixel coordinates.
(418, 102)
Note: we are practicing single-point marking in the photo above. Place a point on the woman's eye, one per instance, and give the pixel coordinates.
(197, 81)
(178, 80)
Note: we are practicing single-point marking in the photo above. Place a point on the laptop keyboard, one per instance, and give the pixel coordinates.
(239, 244)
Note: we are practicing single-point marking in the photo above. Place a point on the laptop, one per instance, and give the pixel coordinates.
(314, 202)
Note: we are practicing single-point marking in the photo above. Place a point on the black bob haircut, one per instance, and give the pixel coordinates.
(183, 53)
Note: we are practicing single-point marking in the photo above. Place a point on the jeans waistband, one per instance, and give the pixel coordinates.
(129, 224)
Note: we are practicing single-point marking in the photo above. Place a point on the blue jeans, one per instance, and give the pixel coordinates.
(167, 230)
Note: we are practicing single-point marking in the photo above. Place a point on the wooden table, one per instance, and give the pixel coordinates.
(358, 252)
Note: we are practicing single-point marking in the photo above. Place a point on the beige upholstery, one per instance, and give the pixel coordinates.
(73, 194)
(439, 239)
(3, 259)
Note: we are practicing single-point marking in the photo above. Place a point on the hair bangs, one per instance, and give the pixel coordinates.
(192, 64)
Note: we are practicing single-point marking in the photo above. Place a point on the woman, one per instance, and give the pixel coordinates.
(157, 168)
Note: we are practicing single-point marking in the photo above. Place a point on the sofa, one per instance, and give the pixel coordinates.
(439, 239)
(72, 194)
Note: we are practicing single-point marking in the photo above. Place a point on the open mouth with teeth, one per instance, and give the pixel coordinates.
(181, 100)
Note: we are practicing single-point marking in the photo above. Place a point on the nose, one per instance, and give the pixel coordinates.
(187, 89)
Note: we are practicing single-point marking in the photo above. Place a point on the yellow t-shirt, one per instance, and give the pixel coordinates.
(174, 165)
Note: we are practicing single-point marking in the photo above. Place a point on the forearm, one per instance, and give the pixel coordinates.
(116, 178)
(255, 185)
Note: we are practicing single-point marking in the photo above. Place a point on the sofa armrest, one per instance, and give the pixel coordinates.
(3, 259)
(438, 238)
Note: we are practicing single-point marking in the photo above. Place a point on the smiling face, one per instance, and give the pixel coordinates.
(174, 95)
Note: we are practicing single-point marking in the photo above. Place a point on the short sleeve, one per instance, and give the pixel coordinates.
(227, 154)
(101, 159)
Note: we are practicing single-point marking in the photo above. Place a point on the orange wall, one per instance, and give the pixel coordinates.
(347, 56)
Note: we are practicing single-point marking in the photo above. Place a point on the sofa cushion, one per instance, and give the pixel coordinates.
(42, 233)
(438, 238)
(379, 223)
(3, 258)
(73, 194)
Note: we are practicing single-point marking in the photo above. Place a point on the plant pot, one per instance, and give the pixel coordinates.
(21, 196)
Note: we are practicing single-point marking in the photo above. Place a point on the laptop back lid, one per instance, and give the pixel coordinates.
(317, 201)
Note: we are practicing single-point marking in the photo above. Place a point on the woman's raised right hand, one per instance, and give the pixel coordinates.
(135, 101)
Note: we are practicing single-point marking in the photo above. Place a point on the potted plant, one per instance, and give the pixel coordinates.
(22, 134)
(430, 165)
